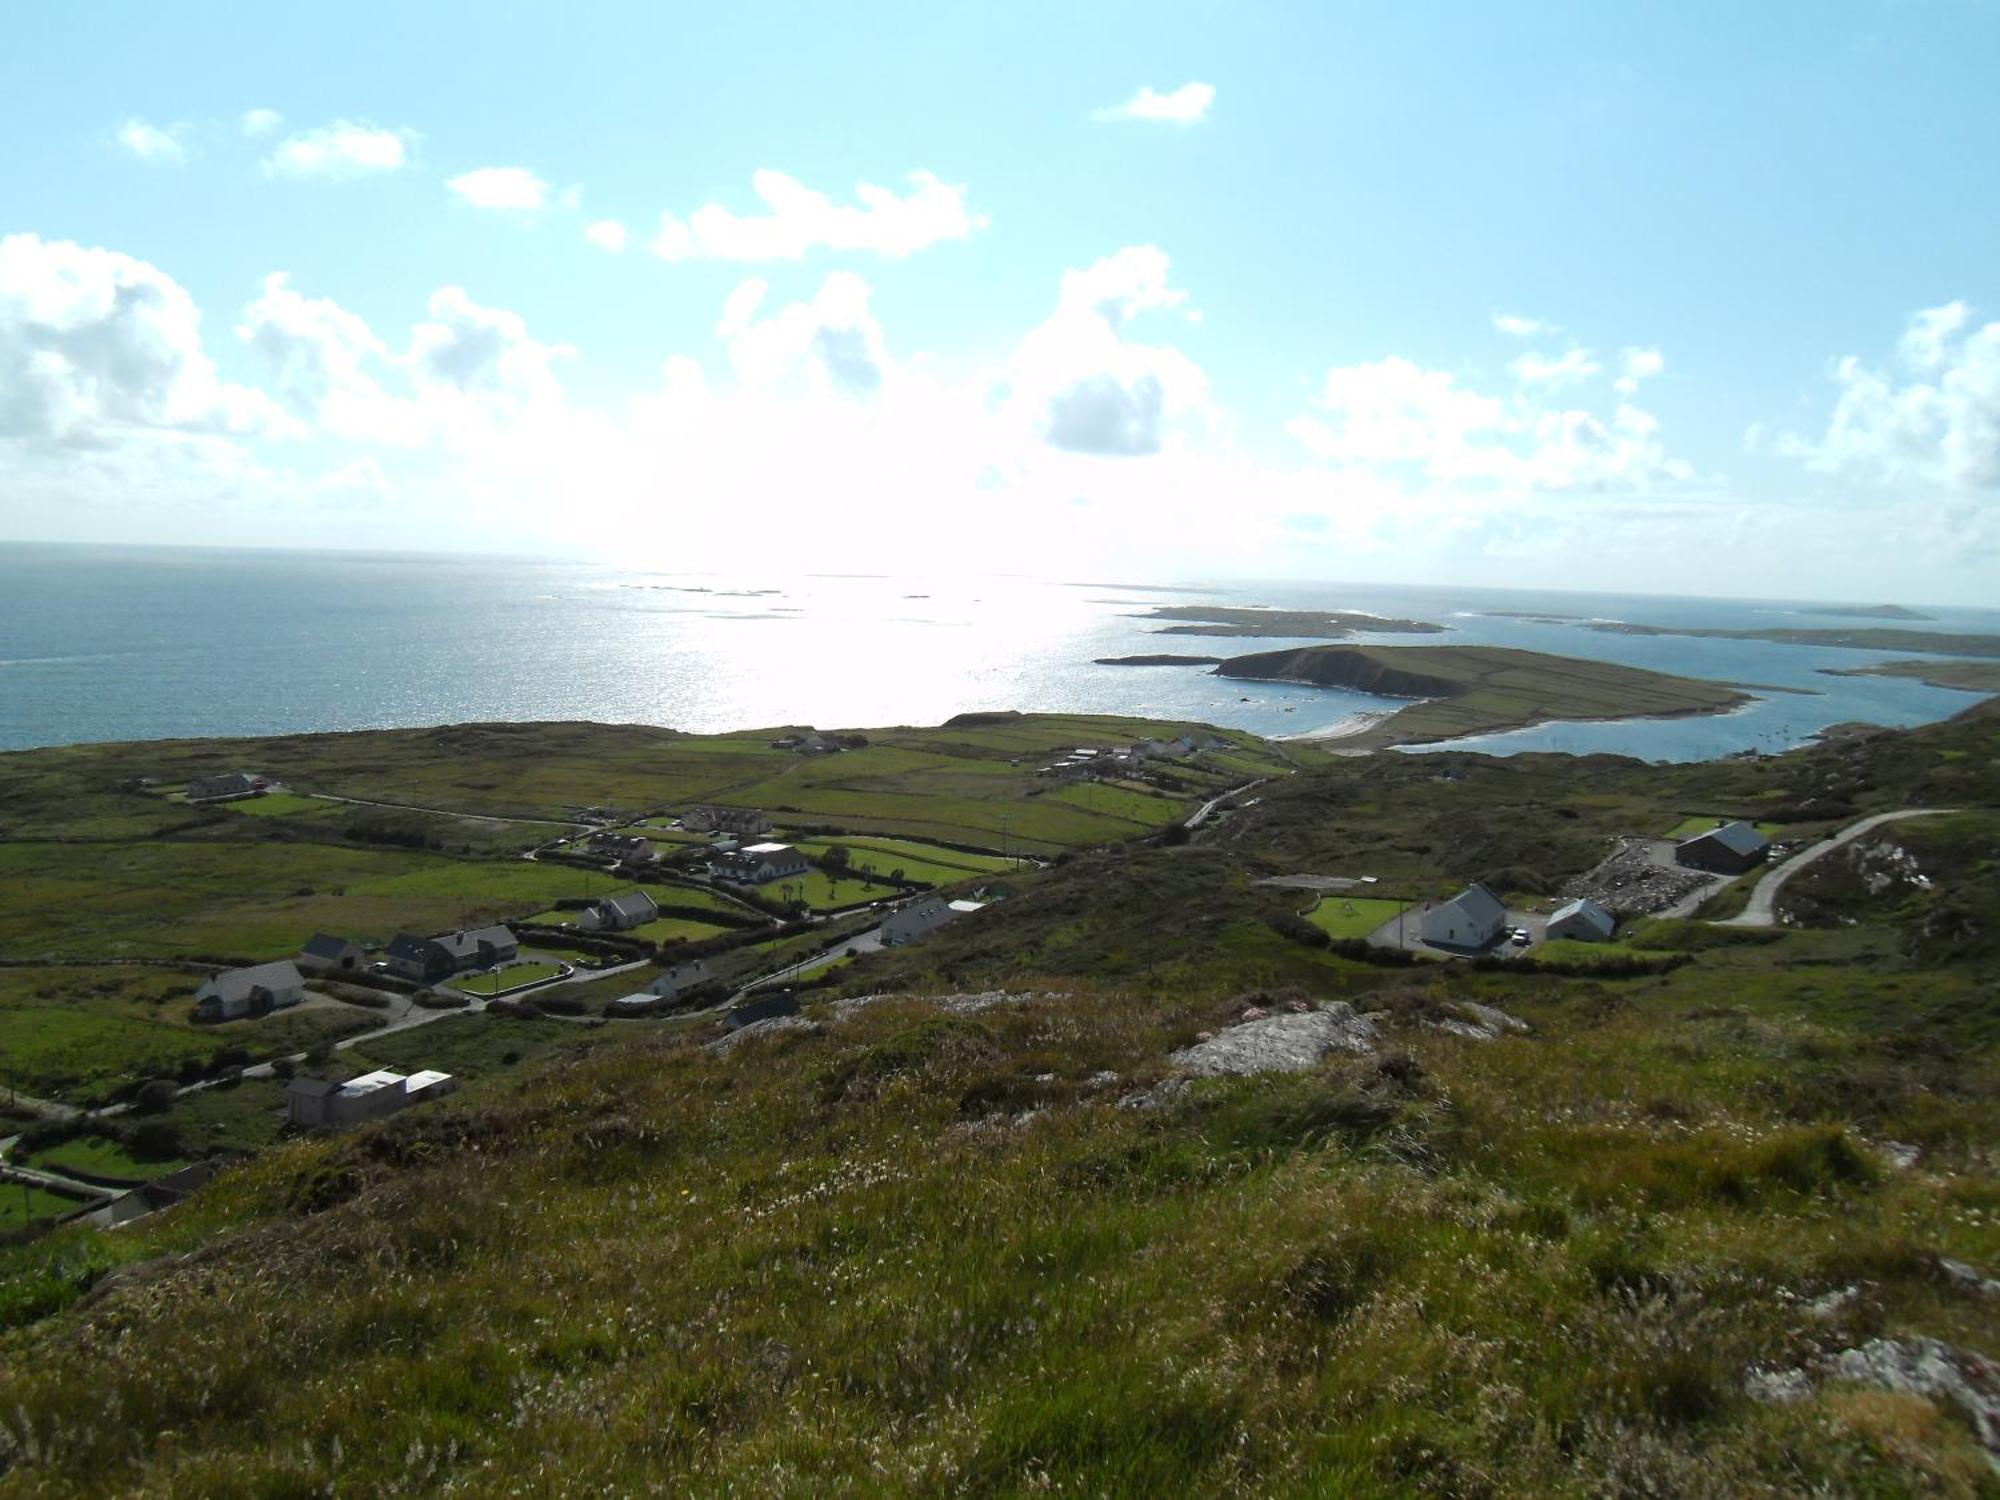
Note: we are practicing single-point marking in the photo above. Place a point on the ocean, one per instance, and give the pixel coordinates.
(122, 643)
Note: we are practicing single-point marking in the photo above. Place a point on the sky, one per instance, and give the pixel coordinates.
(1685, 298)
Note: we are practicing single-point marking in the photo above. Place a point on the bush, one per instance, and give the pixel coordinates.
(155, 1094)
(155, 1140)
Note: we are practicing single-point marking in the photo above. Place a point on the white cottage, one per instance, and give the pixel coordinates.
(1582, 922)
(1471, 919)
(249, 992)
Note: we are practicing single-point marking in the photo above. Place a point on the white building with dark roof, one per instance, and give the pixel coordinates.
(618, 913)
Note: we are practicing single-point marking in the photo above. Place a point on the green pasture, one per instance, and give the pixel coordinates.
(1352, 916)
(506, 981)
(281, 805)
(101, 1156)
(22, 1204)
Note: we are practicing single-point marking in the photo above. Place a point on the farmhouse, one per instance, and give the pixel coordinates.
(320, 1102)
(327, 954)
(249, 992)
(1727, 849)
(215, 788)
(618, 913)
(1581, 921)
(759, 864)
(741, 821)
(1471, 919)
(923, 916)
(427, 960)
(679, 980)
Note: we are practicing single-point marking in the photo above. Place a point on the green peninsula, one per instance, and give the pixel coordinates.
(1483, 689)
(1966, 676)
(1861, 638)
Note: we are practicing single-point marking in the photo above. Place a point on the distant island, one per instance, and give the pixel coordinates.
(1158, 659)
(1311, 624)
(1965, 676)
(1467, 690)
(1866, 611)
(1929, 642)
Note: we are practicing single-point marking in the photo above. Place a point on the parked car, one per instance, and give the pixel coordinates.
(1521, 939)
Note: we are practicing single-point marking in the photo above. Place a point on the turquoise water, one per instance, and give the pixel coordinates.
(113, 643)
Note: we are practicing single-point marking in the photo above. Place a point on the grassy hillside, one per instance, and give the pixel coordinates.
(1483, 689)
(1000, 1245)
(1966, 676)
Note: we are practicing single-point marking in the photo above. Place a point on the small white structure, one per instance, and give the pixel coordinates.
(250, 992)
(678, 980)
(1582, 922)
(320, 1102)
(923, 916)
(618, 913)
(1471, 919)
(221, 788)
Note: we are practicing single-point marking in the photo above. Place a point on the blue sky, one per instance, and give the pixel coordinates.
(1254, 327)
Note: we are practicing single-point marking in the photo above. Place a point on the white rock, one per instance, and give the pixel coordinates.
(1279, 1044)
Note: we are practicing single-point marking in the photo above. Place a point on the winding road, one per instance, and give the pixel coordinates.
(1760, 910)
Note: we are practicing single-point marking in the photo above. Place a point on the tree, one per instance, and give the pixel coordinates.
(837, 857)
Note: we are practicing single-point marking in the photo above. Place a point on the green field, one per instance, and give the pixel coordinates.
(99, 1156)
(280, 805)
(1696, 823)
(22, 1204)
(504, 981)
(1352, 916)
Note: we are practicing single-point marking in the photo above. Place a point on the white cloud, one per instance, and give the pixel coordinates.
(1096, 390)
(1636, 365)
(802, 219)
(1567, 368)
(830, 344)
(1516, 326)
(341, 150)
(500, 187)
(93, 343)
(1941, 426)
(319, 354)
(259, 122)
(1421, 431)
(157, 146)
(606, 234)
(1186, 105)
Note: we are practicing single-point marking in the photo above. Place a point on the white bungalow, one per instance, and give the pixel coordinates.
(618, 913)
(678, 980)
(250, 992)
(1582, 922)
(1471, 919)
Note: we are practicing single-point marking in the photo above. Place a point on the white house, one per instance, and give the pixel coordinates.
(618, 913)
(1471, 919)
(679, 979)
(736, 820)
(218, 788)
(249, 992)
(1582, 922)
(316, 1102)
(926, 915)
(760, 864)
(324, 953)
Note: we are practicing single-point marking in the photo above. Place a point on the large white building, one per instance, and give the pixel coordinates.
(759, 864)
(318, 1102)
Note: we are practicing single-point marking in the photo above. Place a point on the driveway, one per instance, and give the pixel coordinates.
(1761, 909)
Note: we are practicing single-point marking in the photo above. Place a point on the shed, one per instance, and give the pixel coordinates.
(1727, 849)
(1581, 921)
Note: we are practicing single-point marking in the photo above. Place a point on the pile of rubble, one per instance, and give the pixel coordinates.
(1633, 882)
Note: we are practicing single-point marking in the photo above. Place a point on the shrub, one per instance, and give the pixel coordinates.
(155, 1094)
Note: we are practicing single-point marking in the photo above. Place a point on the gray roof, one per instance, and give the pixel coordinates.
(633, 906)
(467, 944)
(1479, 904)
(1738, 837)
(1590, 911)
(408, 945)
(236, 984)
(313, 1088)
(326, 945)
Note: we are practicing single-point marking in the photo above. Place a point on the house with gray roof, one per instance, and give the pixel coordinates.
(1581, 921)
(1470, 920)
(678, 980)
(1727, 849)
(759, 864)
(249, 992)
(216, 788)
(618, 913)
(324, 953)
(427, 960)
(741, 821)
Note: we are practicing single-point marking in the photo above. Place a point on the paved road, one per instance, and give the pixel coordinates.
(1760, 910)
(862, 942)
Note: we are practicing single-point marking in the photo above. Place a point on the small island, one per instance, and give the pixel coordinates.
(1307, 624)
(1866, 612)
(1467, 690)
(1963, 676)
(1862, 638)
(1158, 659)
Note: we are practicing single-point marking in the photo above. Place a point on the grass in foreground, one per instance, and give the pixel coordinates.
(1352, 916)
